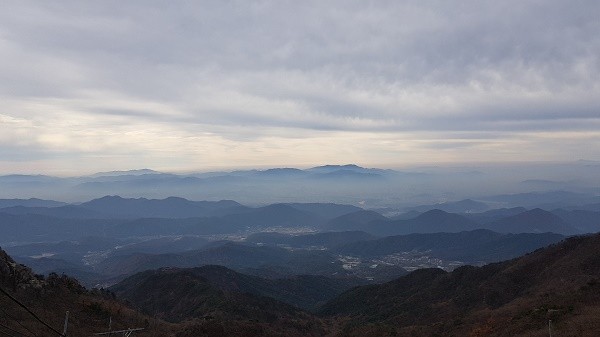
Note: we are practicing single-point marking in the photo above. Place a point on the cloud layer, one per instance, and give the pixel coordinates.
(194, 85)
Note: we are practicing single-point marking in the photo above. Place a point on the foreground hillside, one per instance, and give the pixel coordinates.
(513, 298)
(51, 297)
(232, 303)
(519, 297)
(145, 289)
(226, 310)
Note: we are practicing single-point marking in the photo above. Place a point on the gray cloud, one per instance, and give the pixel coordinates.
(252, 74)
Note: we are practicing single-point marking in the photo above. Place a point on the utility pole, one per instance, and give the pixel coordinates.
(550, 312)
(66, 324)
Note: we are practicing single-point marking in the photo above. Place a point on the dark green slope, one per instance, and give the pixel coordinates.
(510, 298)
(181, 294)
(214, 285)
(216, 301)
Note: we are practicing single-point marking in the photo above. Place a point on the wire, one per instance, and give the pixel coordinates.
(11, 330)
(30, 312)
(7, 334)
(18, 322)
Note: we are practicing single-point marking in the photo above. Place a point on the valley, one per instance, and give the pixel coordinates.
(178, 267)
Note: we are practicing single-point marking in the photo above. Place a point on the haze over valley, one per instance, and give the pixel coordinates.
(352, 184)
(266, 266)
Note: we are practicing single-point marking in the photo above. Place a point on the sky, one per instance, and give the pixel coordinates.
(88, 86)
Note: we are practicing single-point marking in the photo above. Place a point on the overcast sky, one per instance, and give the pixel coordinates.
(91, 86)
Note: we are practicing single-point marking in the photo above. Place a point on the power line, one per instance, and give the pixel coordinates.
(11, 330)
(30, 312)
(18, 322)
(7, 334)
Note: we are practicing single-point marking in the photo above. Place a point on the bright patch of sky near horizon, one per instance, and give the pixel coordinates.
(112, 85)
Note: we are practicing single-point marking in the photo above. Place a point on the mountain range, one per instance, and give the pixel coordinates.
(556, 286)
(514, 220)
(106, 239)
(473, 189)
(332, 250)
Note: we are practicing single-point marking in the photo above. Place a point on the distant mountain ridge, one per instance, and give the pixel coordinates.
(325, 210)
(263, 186)
(172, 207)
(32, 202)
(475, 246)
(428, 222)
(122, 217)
(368, 187)
(125, 173)
(586, 221)
(514, 220)
(533, 221)
(462, 206)
(355, 221)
